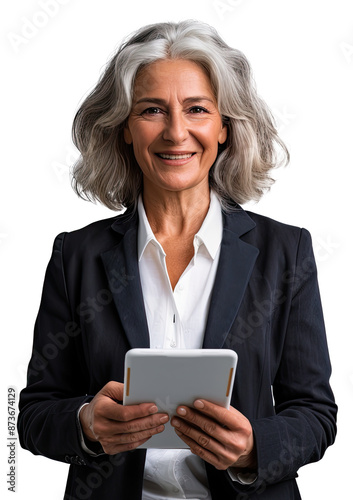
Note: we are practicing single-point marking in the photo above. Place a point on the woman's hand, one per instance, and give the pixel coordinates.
(119, 428)
(221, 437)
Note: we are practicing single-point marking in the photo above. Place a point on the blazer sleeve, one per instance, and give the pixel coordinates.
(304, 424)
(47, 422)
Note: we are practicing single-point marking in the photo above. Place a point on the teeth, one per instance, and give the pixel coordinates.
(175, 157)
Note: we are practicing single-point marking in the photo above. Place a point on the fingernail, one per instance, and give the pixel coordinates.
(181, 411)
(199, 404)
(153, 409)
(164, 419)
(175, 423)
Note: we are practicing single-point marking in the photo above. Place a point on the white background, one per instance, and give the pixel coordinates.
(302, 56)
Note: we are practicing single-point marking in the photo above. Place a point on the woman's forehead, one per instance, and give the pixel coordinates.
(172, 75)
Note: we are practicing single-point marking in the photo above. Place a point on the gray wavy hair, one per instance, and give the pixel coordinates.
(107, 170)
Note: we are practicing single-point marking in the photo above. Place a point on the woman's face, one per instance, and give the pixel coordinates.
(174, 125)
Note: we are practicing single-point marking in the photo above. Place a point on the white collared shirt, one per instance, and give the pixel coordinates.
(177, 319)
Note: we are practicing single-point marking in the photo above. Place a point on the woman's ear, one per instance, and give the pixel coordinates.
(223, 134)
(127, 135)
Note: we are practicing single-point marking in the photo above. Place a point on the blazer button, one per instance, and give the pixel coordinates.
(68, 459)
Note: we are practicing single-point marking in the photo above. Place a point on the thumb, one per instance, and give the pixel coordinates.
(113, 390)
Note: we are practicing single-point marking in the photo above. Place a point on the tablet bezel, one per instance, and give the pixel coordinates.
(171, 377)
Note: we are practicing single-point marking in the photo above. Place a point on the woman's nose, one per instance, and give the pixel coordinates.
(176, 129)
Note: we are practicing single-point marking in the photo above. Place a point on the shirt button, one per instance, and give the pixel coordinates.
(172, 344)
(181, 287)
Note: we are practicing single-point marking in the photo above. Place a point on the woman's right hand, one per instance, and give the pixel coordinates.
(116, 427)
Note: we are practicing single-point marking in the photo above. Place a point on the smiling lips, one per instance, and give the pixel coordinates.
(184, 156)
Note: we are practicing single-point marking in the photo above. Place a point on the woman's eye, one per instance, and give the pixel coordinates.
(151, 111)
(198, 110)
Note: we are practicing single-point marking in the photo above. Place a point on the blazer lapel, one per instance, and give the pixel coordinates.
(236, 262)
(121, 266)
(235, 266)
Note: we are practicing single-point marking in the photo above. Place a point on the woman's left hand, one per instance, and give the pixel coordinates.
(221, 437)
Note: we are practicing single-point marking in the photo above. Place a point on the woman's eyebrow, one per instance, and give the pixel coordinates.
(157, 100)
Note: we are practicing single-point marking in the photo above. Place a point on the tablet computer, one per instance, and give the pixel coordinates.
(173, 377)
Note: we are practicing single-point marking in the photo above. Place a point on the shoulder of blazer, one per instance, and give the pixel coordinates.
(101, 235)
(272, 238)
(269, 230)
(264, 220)
(241, 222)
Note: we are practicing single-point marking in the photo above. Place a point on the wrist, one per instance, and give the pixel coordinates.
(244, 470)
(91, 447)
(85, 425)
(246, 463)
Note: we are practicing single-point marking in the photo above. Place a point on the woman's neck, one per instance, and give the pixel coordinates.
(174, 214)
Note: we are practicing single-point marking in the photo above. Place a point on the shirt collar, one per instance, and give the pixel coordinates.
(145, 234)
(209, 234)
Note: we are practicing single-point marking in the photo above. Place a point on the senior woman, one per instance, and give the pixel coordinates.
(175, 133)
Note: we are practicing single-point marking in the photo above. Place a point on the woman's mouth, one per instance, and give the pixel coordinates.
(185, 156)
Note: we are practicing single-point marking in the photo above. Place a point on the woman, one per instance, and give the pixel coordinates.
(175, 132)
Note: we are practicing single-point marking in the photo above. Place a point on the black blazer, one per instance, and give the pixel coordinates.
(265, 305)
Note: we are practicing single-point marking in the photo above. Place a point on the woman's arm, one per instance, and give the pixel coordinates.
(58, 382)
(56, 385)
(305, 421)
